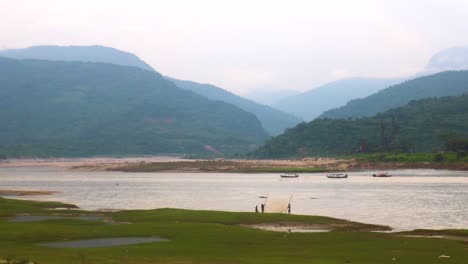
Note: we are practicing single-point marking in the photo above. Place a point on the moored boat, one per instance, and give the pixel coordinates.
(382, 174)
(289, 175)
(337, 175)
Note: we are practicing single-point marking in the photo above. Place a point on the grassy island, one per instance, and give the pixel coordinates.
(211, 237)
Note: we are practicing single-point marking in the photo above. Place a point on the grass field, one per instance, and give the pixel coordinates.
(212, 237)
(227, 166)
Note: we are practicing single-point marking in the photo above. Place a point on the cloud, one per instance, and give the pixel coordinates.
(247, 45)
(244, 80)
(340, 74)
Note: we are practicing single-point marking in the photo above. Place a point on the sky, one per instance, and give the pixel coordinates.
(249, 46)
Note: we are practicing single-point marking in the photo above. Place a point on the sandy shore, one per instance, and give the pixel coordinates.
(220, 165)
(179, 164)
(176, 164)
(96, 162)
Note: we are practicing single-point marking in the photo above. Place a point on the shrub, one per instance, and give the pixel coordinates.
(439, 157)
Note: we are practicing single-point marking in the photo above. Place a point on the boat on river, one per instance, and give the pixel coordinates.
(289, 175)
(382, 174)
(337, 175)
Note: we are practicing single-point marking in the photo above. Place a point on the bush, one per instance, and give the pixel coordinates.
(439, 157)
(461, 154)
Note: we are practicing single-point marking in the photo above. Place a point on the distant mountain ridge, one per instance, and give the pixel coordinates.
(270, 97)
(441, 84)
(59, 108)
(78, 53)
(312, 103)
(416, 127)
(274, 121)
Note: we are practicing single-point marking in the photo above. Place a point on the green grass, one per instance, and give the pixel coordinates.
(213, 237)
(227, 166)
(445, 232)
(445, 157)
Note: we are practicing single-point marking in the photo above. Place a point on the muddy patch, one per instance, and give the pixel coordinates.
(461, 238)
(37, 218)
(104, 242)
(292, 227)
(24, 193)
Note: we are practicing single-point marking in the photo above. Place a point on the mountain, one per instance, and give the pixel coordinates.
(78, 53)
(450, 59)
(436, 85)
(314, 102)
(416, 127)
(274, 121)
(52, 108)
(270, 97)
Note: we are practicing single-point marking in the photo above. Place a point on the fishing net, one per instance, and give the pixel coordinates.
(277, 203)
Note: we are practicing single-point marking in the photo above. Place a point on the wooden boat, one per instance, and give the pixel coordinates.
(382, 174)
(337, 175)
(289, 175)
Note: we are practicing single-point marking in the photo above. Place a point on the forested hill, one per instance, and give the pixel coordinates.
(415, 127)
(440, 84)
(274, 121)
(84, 109)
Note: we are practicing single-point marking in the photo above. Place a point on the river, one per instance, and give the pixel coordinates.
(435, 199)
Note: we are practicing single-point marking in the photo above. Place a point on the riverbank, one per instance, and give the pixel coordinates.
(24, 193)
(372, 162)
(308, 165)
(210, 237)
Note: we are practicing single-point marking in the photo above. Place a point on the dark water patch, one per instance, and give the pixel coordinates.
(37, 218)
(104, 242)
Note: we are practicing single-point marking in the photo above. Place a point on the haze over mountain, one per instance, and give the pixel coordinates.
(270, 97)
(274, 121)
(440, 84)
(455, 58)
(52, 108)
(416, 127)
(78, 53)
(310, 104)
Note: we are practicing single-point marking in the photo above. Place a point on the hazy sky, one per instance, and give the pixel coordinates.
(249, 45)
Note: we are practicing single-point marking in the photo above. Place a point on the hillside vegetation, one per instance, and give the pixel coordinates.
(418, 127)
(85, 109)
(437, 85)
(273, 120)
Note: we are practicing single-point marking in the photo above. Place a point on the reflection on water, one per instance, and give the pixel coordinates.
(411, 199)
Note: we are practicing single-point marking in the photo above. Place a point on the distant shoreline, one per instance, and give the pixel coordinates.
(179, 164)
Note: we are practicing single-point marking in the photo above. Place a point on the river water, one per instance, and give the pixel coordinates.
(411, 199)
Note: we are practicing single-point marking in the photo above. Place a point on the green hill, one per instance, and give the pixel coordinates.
(415, 127)
(273, 120)
(441, 84)
(83, 109)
